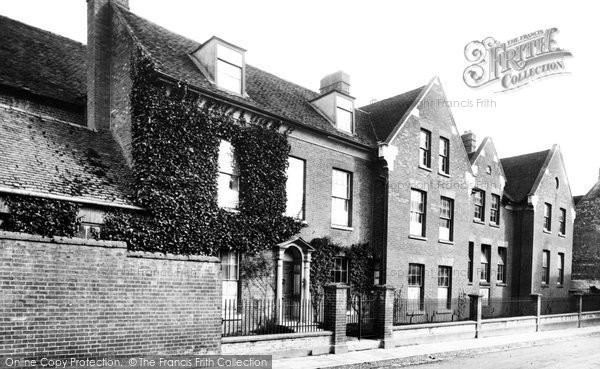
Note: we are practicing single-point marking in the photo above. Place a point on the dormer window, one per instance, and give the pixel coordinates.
(344, 113)
(223, 64)
(230, 64)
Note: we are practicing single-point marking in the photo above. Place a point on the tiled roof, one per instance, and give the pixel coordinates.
(171, 54)
(41, 62)
(521, 172)
(60, 159)
(386, 114)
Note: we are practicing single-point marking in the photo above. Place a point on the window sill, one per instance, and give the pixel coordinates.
(545, 286)
(424, 168)
(560, 286)
(469, 283)
(444, 174)
(547, 231)
(447, 242)
(231, 210)
(342, 228)
(501, 284)
(486, 284)
(562, 235)
(478, 221)
(420, 238)
(494, 225)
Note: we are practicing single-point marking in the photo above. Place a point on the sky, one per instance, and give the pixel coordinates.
(389, 47)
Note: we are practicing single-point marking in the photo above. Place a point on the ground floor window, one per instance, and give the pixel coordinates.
(444, 284)
(415, 286)
(339, 274)
(230, 274)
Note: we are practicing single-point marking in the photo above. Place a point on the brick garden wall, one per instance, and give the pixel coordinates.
(74, 297)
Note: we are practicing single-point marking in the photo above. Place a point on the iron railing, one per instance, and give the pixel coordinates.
(415, 311)
(507, 307)
(591, 302)
(559, 305)
(259, 317)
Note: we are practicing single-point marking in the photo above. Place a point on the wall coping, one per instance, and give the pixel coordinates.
(75, 241)
(508, 319)
(559, 315)
(274, 337)
(408, 327)
(590, 312)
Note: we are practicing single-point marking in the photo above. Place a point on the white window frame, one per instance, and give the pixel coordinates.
(495, 210)
(446, 219)
(501, 272)
(344, 106)
(561, 269)
(228, 58)
(339, 198)
(228, 179)
(341, 270)
(546, 267)
(418, 212)
(444, 156)
(479, 205)
(230, 273)
(295, 191)
(425, 148)
(444, 292)
(484, 276)
(416, 286)
(562, 221)
(547, 217)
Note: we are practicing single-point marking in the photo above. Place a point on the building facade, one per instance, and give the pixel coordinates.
(443, 215)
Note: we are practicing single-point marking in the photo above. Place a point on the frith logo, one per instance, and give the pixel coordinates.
(514, 63)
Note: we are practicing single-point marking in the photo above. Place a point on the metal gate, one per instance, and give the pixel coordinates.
(361, 318)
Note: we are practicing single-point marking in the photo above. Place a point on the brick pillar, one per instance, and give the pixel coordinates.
(384, 323)
(475, 311)
(336, 296)
(537, 309)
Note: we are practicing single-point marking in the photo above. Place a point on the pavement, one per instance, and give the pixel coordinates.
(431, 352)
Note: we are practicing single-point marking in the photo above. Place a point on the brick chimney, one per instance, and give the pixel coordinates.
(470, 141)
(338, 81)
(99, 22)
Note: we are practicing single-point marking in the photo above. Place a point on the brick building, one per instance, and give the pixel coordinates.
(443, 215)
(586, 240)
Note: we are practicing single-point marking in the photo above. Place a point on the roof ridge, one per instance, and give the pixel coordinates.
(530, 153)
(41, 30)
(392, 97)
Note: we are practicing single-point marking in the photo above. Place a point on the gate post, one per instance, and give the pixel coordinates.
(579, 297)
(384, 320)
(537, 300)
(475, 311)
(336, 296)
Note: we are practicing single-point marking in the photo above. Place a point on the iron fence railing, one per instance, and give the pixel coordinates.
(591, 302)
(415, 311)
(559, 305)
(259, 317)
(507, 307)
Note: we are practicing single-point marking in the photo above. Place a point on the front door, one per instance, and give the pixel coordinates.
(292, 282)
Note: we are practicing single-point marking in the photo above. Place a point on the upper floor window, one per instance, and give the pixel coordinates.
(470, 262)
(495, 210)
(444, 162)
(501, 273)
(341, 198)
(344, 113)
(229, 69)
(228, 182)
(295, 188)
(418, 200)
(562, 221)
(547, 217)
(561, 269)
(339, 274)
(479, 203)
(485, 263)
(446, 218)
(545, 267)
(425, 148)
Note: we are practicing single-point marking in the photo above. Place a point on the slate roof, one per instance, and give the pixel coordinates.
(62, 159)
(386, 114)
(42, 62)
(521, 172)
(171, 54)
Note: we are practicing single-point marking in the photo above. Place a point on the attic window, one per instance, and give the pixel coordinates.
(344, 114)
(230, 65)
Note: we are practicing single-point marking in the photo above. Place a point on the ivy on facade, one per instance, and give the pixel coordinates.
(175, 142)
(39, 216)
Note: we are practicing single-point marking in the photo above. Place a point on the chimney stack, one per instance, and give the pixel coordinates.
(99, 28)
(338, 81)
(470, 141)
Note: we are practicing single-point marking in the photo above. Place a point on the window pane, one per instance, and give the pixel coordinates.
(344, 120)
(344, 103)
(229, 76)
(227, 163)
(339, 212)
(339, 182)
(295, 188)
(229, 55)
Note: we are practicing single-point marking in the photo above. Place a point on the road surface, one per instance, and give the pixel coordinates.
(579, 353)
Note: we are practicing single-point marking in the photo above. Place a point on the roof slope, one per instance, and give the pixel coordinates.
(41, 62)
(61, 159)
(171, 54)
(386, 114)
(521, 173)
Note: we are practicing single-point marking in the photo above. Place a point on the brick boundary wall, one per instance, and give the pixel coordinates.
(82, 298)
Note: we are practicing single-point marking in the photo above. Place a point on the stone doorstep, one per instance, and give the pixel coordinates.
(410, 355)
